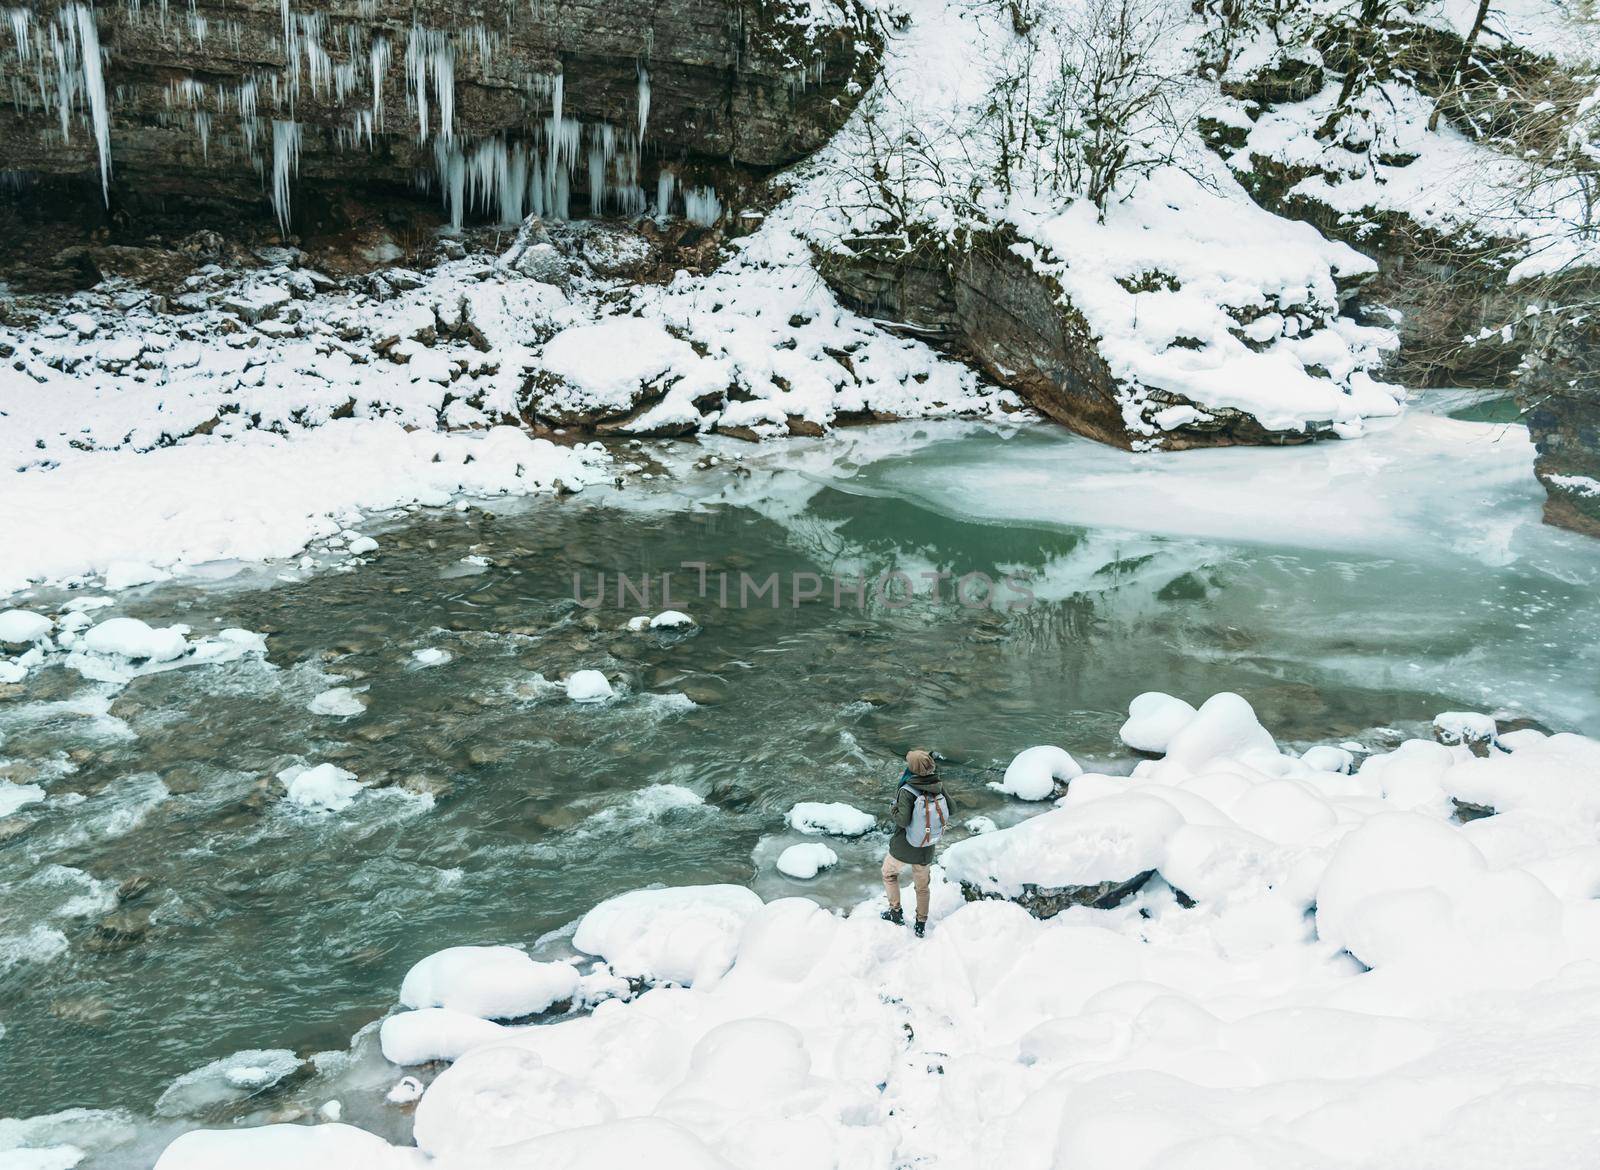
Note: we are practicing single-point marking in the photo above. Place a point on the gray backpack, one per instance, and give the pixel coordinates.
(928, 817)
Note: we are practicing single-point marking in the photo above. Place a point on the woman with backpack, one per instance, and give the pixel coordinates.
(921, 812)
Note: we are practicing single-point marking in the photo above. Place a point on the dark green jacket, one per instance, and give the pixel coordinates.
(900, 848)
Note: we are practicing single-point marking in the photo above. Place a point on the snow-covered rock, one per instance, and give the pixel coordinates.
(671, 619)
(685, 935)
(1225, 725)
(807, 860)
(274, 1147)
(430, 656)
(1451, 727)
(134, 640)
(1035, 773)
(429, 1034)
(325, 787)
(1153, 719)
(1110, 840)
(588, 686)
(835, 818)
(20, 627)
(493, 983)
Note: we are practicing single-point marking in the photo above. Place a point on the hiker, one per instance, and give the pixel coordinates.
(921, 811)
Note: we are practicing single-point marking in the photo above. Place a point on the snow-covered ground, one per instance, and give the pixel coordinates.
(1351, 978)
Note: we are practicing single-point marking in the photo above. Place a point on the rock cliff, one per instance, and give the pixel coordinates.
(501, 108)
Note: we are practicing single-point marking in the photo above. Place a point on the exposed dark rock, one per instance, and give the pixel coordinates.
(991, 306)
(1559, 394)
(1047, 903)
(1467, 811)
(1285, 79)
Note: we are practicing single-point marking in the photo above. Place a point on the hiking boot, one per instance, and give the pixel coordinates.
(921, 928)
(895, 915)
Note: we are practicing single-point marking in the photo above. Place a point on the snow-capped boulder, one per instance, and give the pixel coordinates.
(807, 860)
(1224, 726)
(1093, 853)
(588, 686)
(1037, 772)
(135, 641)
(429, 1034)
(324, 788)
(1153, 719)
(836, 819)
(273, 1147)
(493, 983)
(687, 935)
(21, 627)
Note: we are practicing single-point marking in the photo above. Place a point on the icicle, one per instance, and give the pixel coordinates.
(702, 206)
(666, 183)
(644, 100)
(378, 59)
(605, 145)
(202, 128)
(83, 28)
(430, 54)
(514, 191)
(21, 32)
(285, 163)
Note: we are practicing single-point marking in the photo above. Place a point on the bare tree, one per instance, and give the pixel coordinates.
(1085, 99)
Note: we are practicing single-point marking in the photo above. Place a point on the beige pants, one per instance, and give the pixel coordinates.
(919, 878)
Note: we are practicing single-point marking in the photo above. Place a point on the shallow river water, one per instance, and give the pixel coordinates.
(1351, 591)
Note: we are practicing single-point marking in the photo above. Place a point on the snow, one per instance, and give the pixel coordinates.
(671, 619)
(588, 686)
(341, 702)
(18, 626)
(687, 935)
(610, 363)
(1225, 725)
(806, 860)
(1355, 979)
(429, 1034)
(492, 983)
(405, 1091)
(1113, 838)
(323, 788)
(1035, 772)
(134, 640)
(272, 1147)
(266, 496)
(835, 818)
(1464, 727)
(430, 656)
(1153, 719)
(499, 1095)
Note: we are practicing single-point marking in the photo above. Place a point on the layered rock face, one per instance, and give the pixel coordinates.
(503, 108)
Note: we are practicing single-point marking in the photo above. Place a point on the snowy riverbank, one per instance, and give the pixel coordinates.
(1351, 976)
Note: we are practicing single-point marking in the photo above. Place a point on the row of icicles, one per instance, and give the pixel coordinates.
(62, 62)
